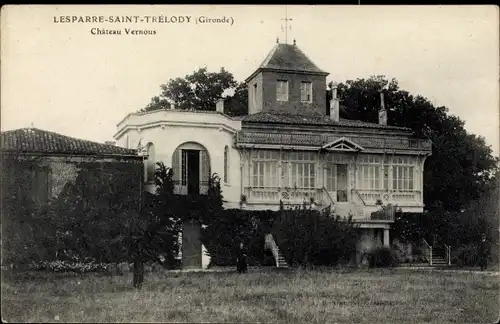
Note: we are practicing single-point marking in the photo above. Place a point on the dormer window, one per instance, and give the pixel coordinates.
(306, 91)
(282, 90)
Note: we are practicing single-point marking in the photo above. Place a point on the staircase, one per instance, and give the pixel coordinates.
(437, 257)
(281, 262)
(270, 244)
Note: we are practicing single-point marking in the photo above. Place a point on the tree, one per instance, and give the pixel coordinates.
(153, 232)
(237, 104)
(199, 90)
(461, 164)
(156, 103)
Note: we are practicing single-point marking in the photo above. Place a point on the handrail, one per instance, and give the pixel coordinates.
(328, 195)
(448, 254)
(430, 250)
(359, 196)
(269, 242)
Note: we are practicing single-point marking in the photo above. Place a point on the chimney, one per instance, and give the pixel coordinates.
(110, 142)
(382, 114)
(219, 107)
(334, 105)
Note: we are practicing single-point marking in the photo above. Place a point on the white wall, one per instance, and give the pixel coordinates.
(213, 132)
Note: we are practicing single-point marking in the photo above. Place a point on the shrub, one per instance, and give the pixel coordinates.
(226, 230)
(71, 266)
(467, 255)
(308, 237)
(404, 252)
(382, 257)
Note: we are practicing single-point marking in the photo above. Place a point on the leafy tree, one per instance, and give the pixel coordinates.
(153, 232)
(199, 90)
(157, 103)
(215, 198)
(237, 104)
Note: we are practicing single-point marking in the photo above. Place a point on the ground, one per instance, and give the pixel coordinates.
(293, 296)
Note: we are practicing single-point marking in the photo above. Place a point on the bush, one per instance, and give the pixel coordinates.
(308, 237)
(382, 257)
(467, 255)
(226, 230)
(410, 228)
(71, 266)
(404, 252)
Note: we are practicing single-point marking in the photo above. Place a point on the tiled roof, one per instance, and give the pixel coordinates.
(294, 119)
(320, 139)
(288, 57)
(34, 140)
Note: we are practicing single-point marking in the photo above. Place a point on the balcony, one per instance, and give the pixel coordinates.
(273, 195)
(409, 197)
(184, 188)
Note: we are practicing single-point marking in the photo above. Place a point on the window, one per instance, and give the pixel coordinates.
(226, 164)
(402, 174)
(299, 170)
(369, 172)
(306, 91)
(386, 177)
(331, 180)
(205, 166)
(265, 169)
(150, 163)
(282, 90)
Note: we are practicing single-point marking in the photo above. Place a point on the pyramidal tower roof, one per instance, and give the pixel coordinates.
(288, 58)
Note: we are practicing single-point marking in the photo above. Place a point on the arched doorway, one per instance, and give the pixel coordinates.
(191, 166)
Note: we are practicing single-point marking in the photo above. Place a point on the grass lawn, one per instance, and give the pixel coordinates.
(295, 296)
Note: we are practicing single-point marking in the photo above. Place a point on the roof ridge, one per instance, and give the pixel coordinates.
(288, 118)
(269, 56)
(31, 139)
(290, 58)
(62, 135)
(296, 48)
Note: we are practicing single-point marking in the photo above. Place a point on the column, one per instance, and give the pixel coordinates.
(386, 237)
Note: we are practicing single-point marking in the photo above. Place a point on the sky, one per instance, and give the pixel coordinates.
(58, 76)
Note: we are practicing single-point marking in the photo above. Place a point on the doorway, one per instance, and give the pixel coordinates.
(192, 170)
(341, 175)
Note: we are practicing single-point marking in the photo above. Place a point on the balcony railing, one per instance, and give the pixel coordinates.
(273, 195)
(370, 197)
(181, 187)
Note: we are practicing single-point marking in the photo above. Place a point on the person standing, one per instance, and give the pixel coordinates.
(483, 252)
(241, 262)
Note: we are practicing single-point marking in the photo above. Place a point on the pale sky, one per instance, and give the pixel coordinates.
(62, 78)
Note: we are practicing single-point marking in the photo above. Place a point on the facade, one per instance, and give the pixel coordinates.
(44, 172)
(289, 149)
(44, 163)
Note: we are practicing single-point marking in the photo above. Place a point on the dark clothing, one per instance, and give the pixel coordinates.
(241, 261)
(483, 255)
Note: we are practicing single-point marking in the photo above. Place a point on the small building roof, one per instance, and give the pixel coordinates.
(310, 119)
(34, 140)
(288, 58)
